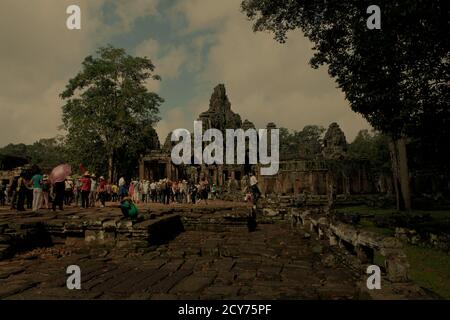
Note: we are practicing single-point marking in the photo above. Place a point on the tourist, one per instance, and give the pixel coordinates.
(175, 191)
(93, 191)
(77, 191)
(137, 191)
(188, 192)
(123, 190)
(28, 191)
(85, 190)
(129, 209)
(58, 189)
(131, 190)
(108, 191)
(169, 195)
(145, 191)
(21, 191)
(2, 194)
(159, 191)
(36, 181)
(114, 192)
(122, 181)
(13, 194)
(203, 189)
(213, 192)
(256, 194)
(68, 191)
(153, 191)
(102, 191)
(45, 192)
(193, 192)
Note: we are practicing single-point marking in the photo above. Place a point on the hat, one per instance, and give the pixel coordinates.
(102, 178)
(93, 175)
(86, 174)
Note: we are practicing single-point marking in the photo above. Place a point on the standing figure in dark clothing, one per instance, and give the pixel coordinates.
(13, 194)
(29, 193)
(22, 193)
(58, 189)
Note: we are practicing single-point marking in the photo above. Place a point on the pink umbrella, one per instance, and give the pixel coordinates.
(60, 173)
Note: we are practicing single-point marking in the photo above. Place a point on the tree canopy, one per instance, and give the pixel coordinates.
(110, 110)
(303, 144)
(396, 77)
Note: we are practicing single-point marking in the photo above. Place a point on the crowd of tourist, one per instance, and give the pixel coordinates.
(36, 192)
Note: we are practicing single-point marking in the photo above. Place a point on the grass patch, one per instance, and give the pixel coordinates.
(430, 268)
(369, 225)
(365, 210)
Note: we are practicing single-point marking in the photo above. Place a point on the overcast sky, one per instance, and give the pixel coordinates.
(195, 44)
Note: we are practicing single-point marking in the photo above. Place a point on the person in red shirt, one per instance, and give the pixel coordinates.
(85, 189)
(102, 191)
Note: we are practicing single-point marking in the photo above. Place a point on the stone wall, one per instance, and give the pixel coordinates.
(359, 243)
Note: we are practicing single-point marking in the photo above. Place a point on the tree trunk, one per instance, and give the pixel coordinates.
(400, 172)
(110, 167)
(405, 181)
(395, 173)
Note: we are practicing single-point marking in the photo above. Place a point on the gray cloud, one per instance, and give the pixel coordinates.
(266, 81)
(39, 55)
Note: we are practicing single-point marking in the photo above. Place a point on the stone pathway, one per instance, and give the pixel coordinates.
(272, 263)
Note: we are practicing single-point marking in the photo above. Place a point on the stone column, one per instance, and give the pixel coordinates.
(141, 168)
(169, 170)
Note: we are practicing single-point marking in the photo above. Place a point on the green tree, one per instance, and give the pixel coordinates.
(310, 141)
(304, 144)
(373, 147)
(396, 77)
(45, 153)
(108, 107)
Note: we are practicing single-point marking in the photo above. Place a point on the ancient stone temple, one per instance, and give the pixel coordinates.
(332, 169)
(219, 115)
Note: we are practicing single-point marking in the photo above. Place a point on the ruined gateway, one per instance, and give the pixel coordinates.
(296, 175)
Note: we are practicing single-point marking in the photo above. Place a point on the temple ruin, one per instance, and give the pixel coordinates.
(332, 171)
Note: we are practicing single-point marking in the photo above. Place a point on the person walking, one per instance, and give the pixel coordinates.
(122, 189)
(204, 190)
(85, 190)
(45, 192)
(153, 193)
(2, 194)
(114, 192)
(256, 194)
(21, 192)
(145, 191)
(36, 181)
(131, 190)
(93, 191)
(29, 191)
(58, 201)
(68, 191)
(13, 192)
(194, 192)
(102, 191)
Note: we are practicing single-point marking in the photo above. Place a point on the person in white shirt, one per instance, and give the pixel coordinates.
(153, 193)
(93, 193)
(256, 194)
(145, 186)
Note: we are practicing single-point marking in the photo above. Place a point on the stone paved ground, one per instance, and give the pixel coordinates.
(271, 263)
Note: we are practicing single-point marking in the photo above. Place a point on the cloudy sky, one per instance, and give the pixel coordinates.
(195, 44)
